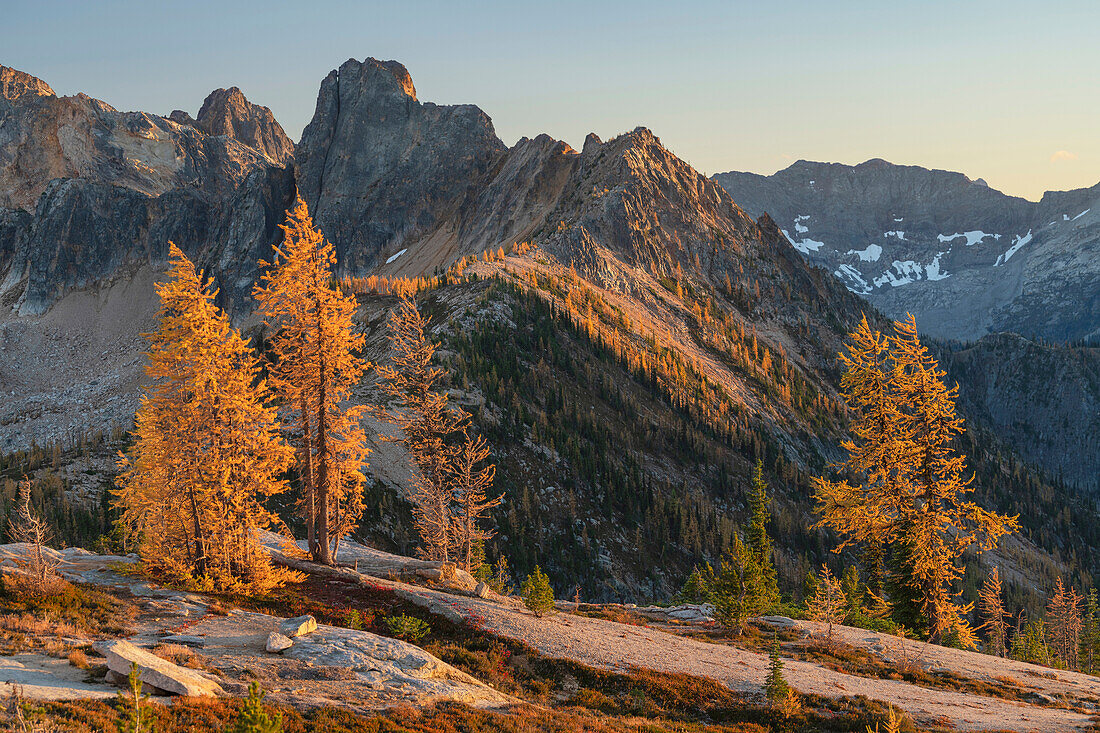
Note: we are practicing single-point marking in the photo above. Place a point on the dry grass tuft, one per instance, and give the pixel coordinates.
(34, 625)
(79, 659)
(174, 653)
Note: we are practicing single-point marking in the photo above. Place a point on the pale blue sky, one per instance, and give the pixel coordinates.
(1002, 90)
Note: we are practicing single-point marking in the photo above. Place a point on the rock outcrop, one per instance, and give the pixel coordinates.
(382, 171)
(15, 84)
(298, 626)
(154, 671)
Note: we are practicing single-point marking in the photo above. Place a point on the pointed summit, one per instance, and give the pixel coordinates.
(227, 112)
(15, 84)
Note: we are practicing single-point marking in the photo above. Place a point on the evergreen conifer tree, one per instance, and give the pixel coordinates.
(1090, 636)
(775, 687)
(737, 590)
(253, 718)
(538, 596)
(758, 540)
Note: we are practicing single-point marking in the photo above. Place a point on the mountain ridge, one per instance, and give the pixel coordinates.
(966, 259)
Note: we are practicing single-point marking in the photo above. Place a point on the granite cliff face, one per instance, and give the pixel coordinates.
(227, 112)
(965, 259)
(381, 171)
(89, 193)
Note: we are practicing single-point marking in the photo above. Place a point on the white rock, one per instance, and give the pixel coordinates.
(298, 626)
(277, 642)
(155, 671)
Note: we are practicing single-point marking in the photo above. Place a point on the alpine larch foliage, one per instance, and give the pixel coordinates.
(314, 362)
(207, 450)
(908, 501)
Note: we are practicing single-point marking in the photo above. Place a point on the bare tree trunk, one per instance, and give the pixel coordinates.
(308, 479)
(324, 549)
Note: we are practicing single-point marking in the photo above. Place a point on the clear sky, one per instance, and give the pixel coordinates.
(1003, 90)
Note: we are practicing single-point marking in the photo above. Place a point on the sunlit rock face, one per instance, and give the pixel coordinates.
(88, 193)
(227, 112)
(44, 137)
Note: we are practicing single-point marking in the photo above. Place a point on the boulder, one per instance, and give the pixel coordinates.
(277, 642)
(298, 626)
(154, 671)
(482, 590)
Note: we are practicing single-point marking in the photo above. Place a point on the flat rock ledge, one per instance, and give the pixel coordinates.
(154, 671)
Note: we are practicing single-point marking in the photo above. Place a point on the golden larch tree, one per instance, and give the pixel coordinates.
(912, 488)
(992, 610)
(314, 363)
(426, 419)
(472, 479)
(452, 479)
(1064, 622)
(207, 449)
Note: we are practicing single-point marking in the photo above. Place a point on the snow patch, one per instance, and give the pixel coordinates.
(909, 271)
(932, 270)
(798, 226)
(1016, 245)
(1081, 214)
(899, 234)
(871, 254)
(972, 237)
(853, 279)
(900, 220)
(805, 246)
(394, 257)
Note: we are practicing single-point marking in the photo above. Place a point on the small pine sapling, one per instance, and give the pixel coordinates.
(409, 628)
(775, 687)
(133, 703)
(538, 596)
(253, 718)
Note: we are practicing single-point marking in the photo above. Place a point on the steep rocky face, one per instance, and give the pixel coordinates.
(15, 84)
(88, 194)
(1044, 399)
(227, 112)
(85, 233)
(965, 259)
(43, 137)
(382, 171)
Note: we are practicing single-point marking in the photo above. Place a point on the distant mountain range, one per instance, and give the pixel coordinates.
(966, 259)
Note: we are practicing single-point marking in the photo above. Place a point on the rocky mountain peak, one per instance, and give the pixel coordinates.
(370, 133)
(227, 112)
(15, 84)
(398, 71)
